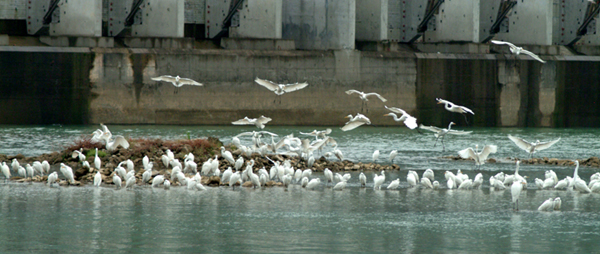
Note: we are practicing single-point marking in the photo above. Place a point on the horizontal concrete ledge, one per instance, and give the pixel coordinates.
(170, 43)
(67, 41)
(258, 44)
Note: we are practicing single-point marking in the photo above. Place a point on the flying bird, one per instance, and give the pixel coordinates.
(355, 122)
(455, 108)
(364, 97)
(478, 156)
(439, 132)
(280, 89)
(532, 147)
(177, 81)
(408, 120)
(518, 50)
(259, 122)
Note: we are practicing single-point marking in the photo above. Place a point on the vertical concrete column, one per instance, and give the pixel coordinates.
(320, 24)
(458, 20)
(161, 18)
(78, 18)
(547, 94)
(371, 20)
(534, 18)
(510, 94)
(259, 19)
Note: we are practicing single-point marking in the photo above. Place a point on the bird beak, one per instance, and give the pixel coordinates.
(386, 115)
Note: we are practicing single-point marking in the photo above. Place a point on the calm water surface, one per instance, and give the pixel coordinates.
(36, 218)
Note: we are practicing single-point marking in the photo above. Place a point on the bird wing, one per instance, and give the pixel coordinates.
(352, 125)
(244, 121)
(467, 109)
(430, 128)
(294, 87)
(263, 120)
(487, 150)
(353, 91)
(120, 141)
(270, 133)
(455, 132)
(165, 78)
(545, 145)
(376, 94)
(504, 43)
(396, 110)
(267, 84)
(521, 143)
(187, 81)
(410, 122)
(536, 57)
(467, 153)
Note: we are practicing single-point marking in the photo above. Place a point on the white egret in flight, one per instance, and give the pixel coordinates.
(259, 122)
(364, 97)
(478, 156)
(355, 122)
(532, 147)
(439, 132)
(518, 50)
(455, 108)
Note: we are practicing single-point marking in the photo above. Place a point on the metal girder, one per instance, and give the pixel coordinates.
(501, 19)
(429, 18)
(40, 13)
(588, 22)
(118, 10)
(217, 24)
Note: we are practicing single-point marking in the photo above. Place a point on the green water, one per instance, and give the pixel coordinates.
(36, 218)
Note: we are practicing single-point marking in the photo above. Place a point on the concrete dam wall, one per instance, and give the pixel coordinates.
(45, 85)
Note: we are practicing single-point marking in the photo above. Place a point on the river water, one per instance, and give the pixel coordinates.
(36, 218)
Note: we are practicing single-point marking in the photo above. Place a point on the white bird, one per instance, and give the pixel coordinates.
(479, 157)
(158, 180)
(22, 172)
(130, 182)
(364, 97)
(67, 172)
(97, 179)
(394, 184)
(177, 81)
(254, 179)
(78, 154)
(562, 184)
(227, 155)
(52, 177)
(106, 135)
(313, 183)
(46, 166)
(355, 122)
(532, 147)
(518, 50)
(147, 175)
(465, 185)
(5, 171)
(234, 179)
(412, 181)
(408, 120)
(362, 178)
(426, 183)
(453, 107)
(328, 175)
(15, 165)
(478, 181)
(436, 185)
(548, 205)
(515, 191)
(340, 186)
(280, 89)
(375, 156)
(117, 181)
(304, 182)
(557, 203)
(578, 183)
(439, 132)
(429, 174)
(167, 184)
(226, 175)
(393, 155)
(258, 122)
(97, 161)
(378, 180)
(318, 134)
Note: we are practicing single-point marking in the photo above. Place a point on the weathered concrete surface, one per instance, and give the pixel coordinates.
(104, 85)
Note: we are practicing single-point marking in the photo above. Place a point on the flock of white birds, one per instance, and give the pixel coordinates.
(187, 173)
